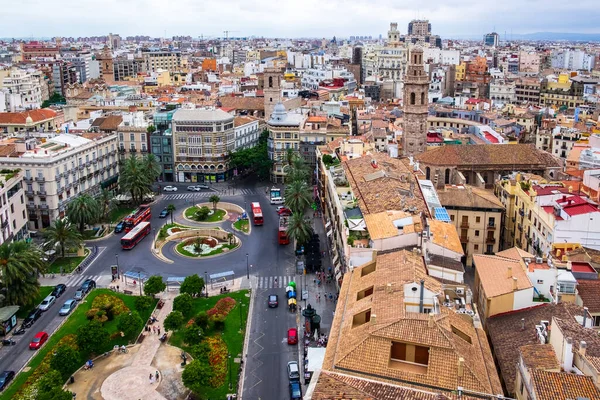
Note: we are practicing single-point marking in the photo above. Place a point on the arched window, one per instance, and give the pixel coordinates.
(413, 98)
(422, 98)
(447, 176)
(270, 81)
(427, 173)
(415, 59)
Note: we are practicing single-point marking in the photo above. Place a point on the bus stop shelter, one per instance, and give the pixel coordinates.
(221, 279)
(135, 276)
(174, 282)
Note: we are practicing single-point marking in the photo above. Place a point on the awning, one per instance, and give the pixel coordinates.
(329, 232)
(335, 259)
(109, 181)
(338, 274)
(327, 224)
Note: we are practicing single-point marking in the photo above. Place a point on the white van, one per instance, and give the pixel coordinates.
(277, 200)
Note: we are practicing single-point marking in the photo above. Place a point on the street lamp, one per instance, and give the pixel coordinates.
(247, 267)
(140, 281)
(206, 283)
(118, 270)
(229, 367)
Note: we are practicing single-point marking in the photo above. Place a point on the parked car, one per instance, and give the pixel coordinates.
(67, 307)
(5, 379)
(273, 300)
(202, 186)
(47, 303)
(292, 336)
(295, 391)
(193, 188)
(119, 227)
(38, 340)
(79, 294)
(170, 189)
(293, 371)
(33, 316)
(88, 285)
(284, 211)
(58, 290)
(163, 213)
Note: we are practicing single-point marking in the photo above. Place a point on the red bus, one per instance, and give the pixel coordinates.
(140, 231)
(141, 214)
(283, 237)
(257, 216)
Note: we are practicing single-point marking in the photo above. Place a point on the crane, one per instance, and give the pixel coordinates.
(227, 34)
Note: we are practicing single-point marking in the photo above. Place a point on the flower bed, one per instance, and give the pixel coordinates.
(106, 301)
(217, 358)
(206, 246)
(222, 308)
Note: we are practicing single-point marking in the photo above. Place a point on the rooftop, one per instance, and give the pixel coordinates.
(493, 272)
(539, 356)
(201, 114)
(20, 118)
(469, 197)
(561, 385)
(445, 235)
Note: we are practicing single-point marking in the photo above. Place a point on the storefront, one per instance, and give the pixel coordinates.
(8, 319)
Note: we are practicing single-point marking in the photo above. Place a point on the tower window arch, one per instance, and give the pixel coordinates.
(427, 173)
(422, 98)
(413, 98)
(270, 81)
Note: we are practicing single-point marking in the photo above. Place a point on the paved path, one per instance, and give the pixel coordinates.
(133, 383)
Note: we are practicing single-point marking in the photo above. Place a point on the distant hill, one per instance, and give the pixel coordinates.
(555, 36)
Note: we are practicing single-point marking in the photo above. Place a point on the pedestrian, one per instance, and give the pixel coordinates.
(158, 329)
(150, 378)
(157, 376)
(330, 296)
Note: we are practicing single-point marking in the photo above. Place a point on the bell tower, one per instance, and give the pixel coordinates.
(415, 99)
(272, 90)
(106, 65)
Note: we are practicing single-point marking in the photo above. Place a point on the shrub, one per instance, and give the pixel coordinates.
(192, 334)
(130, 324)
(219, 321)
(223, 307)
(143, 302)
(183, 303)
(115, 304)
(92, 338)
(200, 350)
(174, 321)
(202, 320)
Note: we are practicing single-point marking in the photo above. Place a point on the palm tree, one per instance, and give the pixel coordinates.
(297, 170)
(170, 209)
(299, 228)
(297, 197)
(83, 210)
(20, 264)
(63, 234)
(152, 168)
(214, 199)
(107, 204)
(132, 179)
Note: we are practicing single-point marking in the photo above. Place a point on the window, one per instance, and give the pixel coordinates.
(364, 293)
(452, 218)
(540, 281)
(490, 249)
(366, 270)
(476, 233)
(475, 247)
(492, 221)
(413, 98)
(409, 353)
(361, 318)
(477, 219)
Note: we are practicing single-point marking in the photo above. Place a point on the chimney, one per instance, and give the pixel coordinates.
(522, 324)
(568, 355)
(430, 322)
(509, 272)
(582, 348)
(461, 367)
(421, 295)
(585, 312)
(515, 286)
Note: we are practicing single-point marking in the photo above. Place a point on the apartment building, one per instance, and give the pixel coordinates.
(284, 134)
(125, 67)
(161, 141)
(247, 132)
(26, 90)
(43, 119)
(132, 134)
(527, 90)
(477, 215)
(169, 60)
(503, 91)
(202, 140)
(32, 50)
(57, 168)
(13, 216)
(529, 63)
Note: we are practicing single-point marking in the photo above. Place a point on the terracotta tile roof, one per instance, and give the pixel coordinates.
(365, 349)
(561, 385)
(239, 121)
(382, 183)
(381, 225)
(507, 336)
(316, 119)
(487, 155)
(469, 197)
(7, 150)
(570, 327)
(539, 356)
(445, 235)
(515, 253)
(19, 118)
(493, 275)
(243, 103)
(589, 291)
(110, 123)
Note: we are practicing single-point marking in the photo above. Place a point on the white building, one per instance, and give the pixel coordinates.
(247, 132)
(24, 90)
(57, 168)
(573, 59)
(502, 91)
(13, 217)
(439, 56)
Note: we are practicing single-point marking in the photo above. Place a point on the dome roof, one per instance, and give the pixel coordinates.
(29, 120)
(279, 108)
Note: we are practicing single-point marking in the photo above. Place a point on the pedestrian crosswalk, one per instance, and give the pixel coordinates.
(197, 195)
(76, 279)
(274, 282)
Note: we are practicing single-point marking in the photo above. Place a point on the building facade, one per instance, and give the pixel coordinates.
(25, 90)
(247, 132)
(167, 60)
(284, 136)
(416, 86)
(13, 214)
(161, 144)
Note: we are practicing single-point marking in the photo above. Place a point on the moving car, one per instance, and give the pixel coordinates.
(292, 336)
(202, 186)
(47, 303)
(119, 227)
(193, 188)
(67, 307)
(273, 300)
(38, 340)
(79, 294)
(33, 316)
(293, 371)
(58, 290)
(284, 211)
(88, 285)
(163, 213)
(5, 379)
(170, 189)
(295, 390)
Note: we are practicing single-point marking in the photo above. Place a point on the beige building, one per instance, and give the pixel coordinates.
(132, 134)
(284, 134)
(168, 60)
(57, 168)
(13, 216)
(477, 215)
(202, 141)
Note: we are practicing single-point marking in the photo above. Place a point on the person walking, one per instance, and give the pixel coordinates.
(157, 376)
(158, 329)
(151, 377)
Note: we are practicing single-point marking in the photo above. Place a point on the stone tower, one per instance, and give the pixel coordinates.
(106, 65)
(272, 90)
(416, 88)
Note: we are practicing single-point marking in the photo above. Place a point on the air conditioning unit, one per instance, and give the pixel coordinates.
(460, 291)
(539, 260)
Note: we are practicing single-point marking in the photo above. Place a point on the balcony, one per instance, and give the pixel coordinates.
(81, 166)
(464, 239)
(490, 240)
(60, 189)
(31, 206)
(522, 212)
(122, 150)
(88, 164)
(44, 206)
(28, 178)
(133, 150)
(520, 227)
(464, 225)
(4, 224)
(40, 179)
(41, 192)
(144, 150)
(68, 186)
(491, 227)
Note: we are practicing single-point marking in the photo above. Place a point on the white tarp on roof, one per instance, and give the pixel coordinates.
(315, 356)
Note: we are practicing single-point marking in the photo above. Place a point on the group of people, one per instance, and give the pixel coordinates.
(154, 377)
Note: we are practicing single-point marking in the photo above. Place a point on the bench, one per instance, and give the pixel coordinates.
(127, 292)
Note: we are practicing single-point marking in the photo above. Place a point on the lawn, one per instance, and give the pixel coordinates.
(181, 245)
(119, 213)
(233, 335)
(68, 264)
(242, 225)
(76, 319)
(216, 216)
(44, 291)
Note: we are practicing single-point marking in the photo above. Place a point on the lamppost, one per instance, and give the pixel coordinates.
(206, 283)
(154, 237)
(229, 368)
(140, 281)
(118, 270)
(247, 267)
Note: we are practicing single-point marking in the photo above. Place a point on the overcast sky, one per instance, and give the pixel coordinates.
(304, 18)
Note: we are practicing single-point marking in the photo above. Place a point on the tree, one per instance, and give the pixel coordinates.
(214, 199)
(297, 170)
(56, 98)
(152, 168)
(202, 213)
(50, 380)
(154, 285)
(107, 205)
(174, 321)
(56, 393)
(20, 264)
(151, 129)
(297, 197)
(143, 302)
(299, 228)
(65, 360)
(196, 375)
(92, 338)
(83, 210)
(171, 209)
(192, 285)
(183, 303)
(130, 324)
(230, 238)
(62, 234)
(133, 179)
(192, 334)
(254, 159)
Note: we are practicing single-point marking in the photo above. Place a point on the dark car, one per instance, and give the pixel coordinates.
(273, 300)
(58, 290)
(163, 213)
(295, 391)
(5, 379)
(33, 316)
(87, 285)
(120, 226)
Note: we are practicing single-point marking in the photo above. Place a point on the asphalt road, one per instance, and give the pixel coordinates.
(268, 351)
